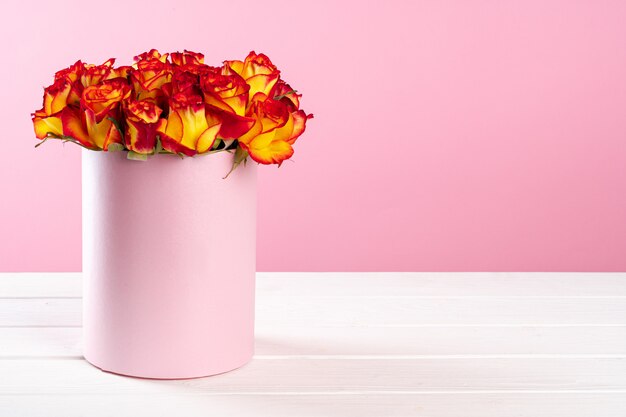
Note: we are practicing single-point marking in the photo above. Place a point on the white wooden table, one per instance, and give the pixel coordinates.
(349, 344)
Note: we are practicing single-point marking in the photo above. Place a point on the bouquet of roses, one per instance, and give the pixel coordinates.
(175, 104)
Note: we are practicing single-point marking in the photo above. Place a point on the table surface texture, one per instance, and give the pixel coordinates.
(348, 344)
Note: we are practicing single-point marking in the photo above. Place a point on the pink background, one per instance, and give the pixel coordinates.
(449, 135)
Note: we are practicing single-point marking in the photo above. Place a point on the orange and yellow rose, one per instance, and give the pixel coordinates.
(149, 77)
(66, 90)
(187, 57)
(227, 97)
(97, 122)
(47, 121)
(151, 54)
(187, 129)
(142, 118)
(175, 103)
(274, 132)
(258, 72)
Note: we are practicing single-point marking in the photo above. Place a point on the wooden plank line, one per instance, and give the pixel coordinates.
(448, 340)
(330, 375)
(369, 284)
(349, 311)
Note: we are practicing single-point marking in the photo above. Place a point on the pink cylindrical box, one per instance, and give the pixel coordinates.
(169, 259)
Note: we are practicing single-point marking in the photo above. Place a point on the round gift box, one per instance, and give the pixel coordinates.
(169, 260)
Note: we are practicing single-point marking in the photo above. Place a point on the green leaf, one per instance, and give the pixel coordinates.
(285, 95)
(216, 144)
(240, 156)
(42, 142)
(159, 146)
(115, 147)
(64, 139)
(230, 144)
(136, 156)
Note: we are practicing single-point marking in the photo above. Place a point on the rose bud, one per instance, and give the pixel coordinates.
(183, 82)
(95, 74)
(152, 54)
(227, 98)
(275, 130)
(47, 121)
(141, 123)
(187, 129)
(257, 70)
(149, 77)
(55, 97)
(100, 104)
(103, 99)
(187, 57)
(73, 74)
(228, 92)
